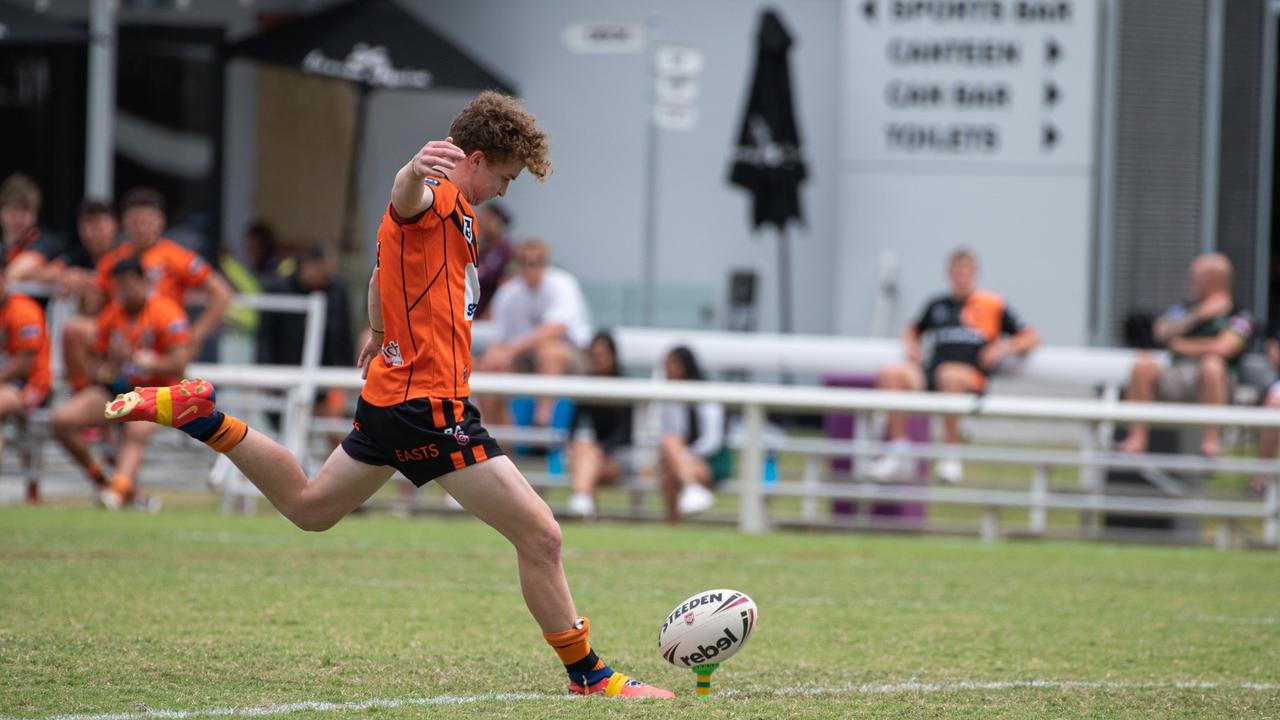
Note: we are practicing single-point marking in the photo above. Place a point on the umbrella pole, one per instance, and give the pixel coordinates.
(350, 239)
(784, 282)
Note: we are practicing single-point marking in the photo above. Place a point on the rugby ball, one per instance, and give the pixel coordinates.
(709, 627)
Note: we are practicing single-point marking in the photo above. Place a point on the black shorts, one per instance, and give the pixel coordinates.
(931, 375)
(423, 438)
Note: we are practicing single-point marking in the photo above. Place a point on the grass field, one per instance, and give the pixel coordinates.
(192, 611)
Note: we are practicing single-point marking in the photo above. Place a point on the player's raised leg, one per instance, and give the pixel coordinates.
(314, 504)
(496, 492)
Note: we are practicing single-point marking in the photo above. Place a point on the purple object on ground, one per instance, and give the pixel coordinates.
(840, 426)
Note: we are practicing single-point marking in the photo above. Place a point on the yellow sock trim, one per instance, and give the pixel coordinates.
(616, 681)
(164, 407)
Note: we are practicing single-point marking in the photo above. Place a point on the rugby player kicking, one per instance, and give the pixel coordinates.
(414, 414)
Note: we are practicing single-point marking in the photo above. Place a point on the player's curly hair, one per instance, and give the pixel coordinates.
(500, 127)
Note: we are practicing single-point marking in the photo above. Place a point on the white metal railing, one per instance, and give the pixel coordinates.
(755, 400)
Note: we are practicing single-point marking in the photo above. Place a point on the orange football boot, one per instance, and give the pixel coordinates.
(171, 406)
(619, 685)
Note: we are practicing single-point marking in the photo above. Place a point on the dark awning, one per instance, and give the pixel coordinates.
(374, 43)
(19, 26)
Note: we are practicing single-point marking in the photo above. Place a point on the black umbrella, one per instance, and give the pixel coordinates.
(767, 162)
(19, 26)
(374, 44)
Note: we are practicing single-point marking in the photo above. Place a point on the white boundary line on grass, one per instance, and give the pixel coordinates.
(851, 689)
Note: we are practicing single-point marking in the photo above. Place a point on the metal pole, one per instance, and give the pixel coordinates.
(648, 260)
(752, 518)
(100, 125)
(1104, 170)
(784, 281)
(1266, 148)
(1212, 123)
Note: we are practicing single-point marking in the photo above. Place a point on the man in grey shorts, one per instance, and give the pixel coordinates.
(1205, 337)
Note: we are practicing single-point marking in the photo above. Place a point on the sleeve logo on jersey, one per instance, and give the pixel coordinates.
(391, 354)
(29, 332)
(431, 181)
(467, 233)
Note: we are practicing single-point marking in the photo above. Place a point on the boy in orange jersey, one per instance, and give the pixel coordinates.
(414, 414)
(142, 339)
(172, 269)
(25, 378)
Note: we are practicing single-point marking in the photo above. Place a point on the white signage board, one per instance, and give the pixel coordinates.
(604, 38)
(970, 122)
(677, 73)
(979, 81)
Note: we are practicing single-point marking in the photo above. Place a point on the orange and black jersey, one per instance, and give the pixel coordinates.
(429, 291)
(958, 329)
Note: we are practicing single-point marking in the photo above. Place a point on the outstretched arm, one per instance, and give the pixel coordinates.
(410, 196)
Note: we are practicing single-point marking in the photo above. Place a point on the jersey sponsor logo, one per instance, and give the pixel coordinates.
(459, 435)
(391, 354)
(29, 332)
(176, 326)
(431, 181)
(430, 451)
(472, 295)
(467, 231)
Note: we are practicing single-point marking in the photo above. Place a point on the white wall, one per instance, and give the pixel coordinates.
(594, 108)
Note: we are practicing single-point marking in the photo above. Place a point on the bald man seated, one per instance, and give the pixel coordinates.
(1206, 336)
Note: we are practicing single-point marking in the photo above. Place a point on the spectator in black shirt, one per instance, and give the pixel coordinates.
(281, 335)
(970, 331)
(601, 446)
(26, 247)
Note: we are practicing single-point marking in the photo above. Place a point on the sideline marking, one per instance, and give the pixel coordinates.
(864, 689)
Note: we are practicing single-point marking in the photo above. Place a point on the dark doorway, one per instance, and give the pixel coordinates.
(169, 125)
(42, 110)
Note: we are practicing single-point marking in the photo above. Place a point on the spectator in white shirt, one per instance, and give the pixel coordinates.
(541, 323)
(694, 456)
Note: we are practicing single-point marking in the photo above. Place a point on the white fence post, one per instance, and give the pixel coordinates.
(303, 398)
(1271, 501)
(1039, 498)
(751, 518)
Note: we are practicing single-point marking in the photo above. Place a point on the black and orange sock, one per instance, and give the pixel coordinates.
(220, 431)
(574, 648)
(96, 475)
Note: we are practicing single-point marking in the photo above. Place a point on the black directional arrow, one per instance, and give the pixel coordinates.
(1051, 93)
(869, 9)
(1052, 51)
(1048, 137)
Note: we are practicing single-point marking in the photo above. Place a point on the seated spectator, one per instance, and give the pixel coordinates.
(493, 222)
(693, 453)
(1269, 439)
(541, 322)
(142, 340)
(601, 447)
(1206, 337)
(25, 377)
(97, 227)
(173, 269)
(260, 251)
(281, 336)
(971, 331)
(26, 247)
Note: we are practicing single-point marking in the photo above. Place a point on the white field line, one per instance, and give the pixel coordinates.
(910, 686)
